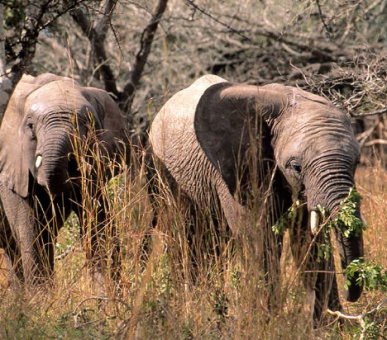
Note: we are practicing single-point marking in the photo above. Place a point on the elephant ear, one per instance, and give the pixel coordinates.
(114, 125)
(229, 119)
(14, 171)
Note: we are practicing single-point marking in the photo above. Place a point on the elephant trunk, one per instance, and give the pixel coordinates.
(56, 170)
(54, 159)
(328, 187)
(350, 248)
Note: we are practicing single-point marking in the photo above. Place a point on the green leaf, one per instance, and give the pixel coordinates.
(347, 221)
(370, 276)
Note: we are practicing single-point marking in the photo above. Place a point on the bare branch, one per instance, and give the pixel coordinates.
(361, 317)
(142, 55)
(328, 29)
(97, 34)
(372, 113)
(2, 41)
(323, 50)
(201, 10)
(5, 83)
(32, 27)
(28, 45)
(36, 20)
(362, 138)
(60, 50)
(33, 24)
(376, 141)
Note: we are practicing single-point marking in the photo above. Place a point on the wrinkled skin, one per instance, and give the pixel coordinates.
(39, 174)
(215, 136)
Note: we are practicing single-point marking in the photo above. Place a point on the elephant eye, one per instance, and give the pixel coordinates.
(293, 165)
(31, 129)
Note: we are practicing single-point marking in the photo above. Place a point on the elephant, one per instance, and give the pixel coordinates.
(215, 139)
(51, 133)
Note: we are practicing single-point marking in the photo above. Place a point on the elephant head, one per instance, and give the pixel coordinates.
(49, 121)
(204, 134)
(44, 117)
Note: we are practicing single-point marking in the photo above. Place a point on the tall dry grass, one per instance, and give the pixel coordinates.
(157, 297)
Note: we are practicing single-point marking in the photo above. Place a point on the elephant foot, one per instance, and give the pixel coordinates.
(8, 276)
(99, 283)
(327, 297)
(310, 305)
(321, 316)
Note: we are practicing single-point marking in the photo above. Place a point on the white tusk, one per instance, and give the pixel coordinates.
(314, 222)
(363, 220)
(38, 161)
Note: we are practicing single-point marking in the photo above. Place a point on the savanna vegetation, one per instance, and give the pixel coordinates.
(143, 52)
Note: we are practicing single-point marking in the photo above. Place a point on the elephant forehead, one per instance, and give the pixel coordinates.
(316, 132)
(56, 94)
(329, 133)
(309, 115)
(42, 111)
(35, 108)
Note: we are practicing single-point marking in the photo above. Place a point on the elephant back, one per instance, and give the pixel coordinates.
(176, 118)
(174, 141)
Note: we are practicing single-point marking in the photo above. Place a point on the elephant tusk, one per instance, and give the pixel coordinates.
(38, 161)
(363, 220)
(314, 221)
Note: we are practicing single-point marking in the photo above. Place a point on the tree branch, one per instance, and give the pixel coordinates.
(328, 29)
(142, 56)
(325, 51)
(35, 21)
(5, 83)
(97, 34)
(29, 39)
(58, 49)
(360, 318)
(372, 113)
(376, 141)
(201, 10)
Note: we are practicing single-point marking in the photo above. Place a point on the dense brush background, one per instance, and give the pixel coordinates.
(337, 49)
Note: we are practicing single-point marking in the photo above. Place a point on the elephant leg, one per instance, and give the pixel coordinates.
(156, 175)
(34, 223)
(44, 247)
(107, 244)
(8, 277)
(272, 254)
(319, 273)
(333, 298)
(100, 242)
(207, 235)
(11, 256)
(20, 216)
(98, 255)
(327, 295)
(91, 240)
(272, 211)
(323, 282)
(300, 239)
(153, 186)
(160, 181)
(204, 229)
(51, 214)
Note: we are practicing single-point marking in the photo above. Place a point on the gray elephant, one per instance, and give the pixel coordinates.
(48, 121)
(218, 137)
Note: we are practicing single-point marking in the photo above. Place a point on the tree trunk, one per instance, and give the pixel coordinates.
(6, 86)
